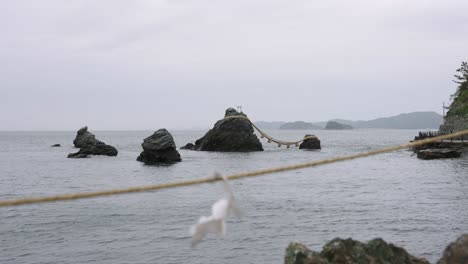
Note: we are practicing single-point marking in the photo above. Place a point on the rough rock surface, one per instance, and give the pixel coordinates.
(89, 145)
(333, 125)
(349, 251)
(456, 252)
(310, 143)
(159, 148)
(230, 135)
(428, 154)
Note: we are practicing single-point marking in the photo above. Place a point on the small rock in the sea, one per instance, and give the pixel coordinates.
(189, 146)
(89, 145)
(349, 251)
(428, 154)
(230, 135)
(159, 148)
(311, 142)
(55, 145)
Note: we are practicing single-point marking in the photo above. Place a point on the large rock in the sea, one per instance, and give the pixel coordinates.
(349, 251)
(456, 252)
(159, 148)
(333, 125)
(311, 142)
(230, 135)
(89, 145)
(429, 154)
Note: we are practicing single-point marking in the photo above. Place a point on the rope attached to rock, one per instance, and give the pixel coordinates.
(270, 138)
(236, 176)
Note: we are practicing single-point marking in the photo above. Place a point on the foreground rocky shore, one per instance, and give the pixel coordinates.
(376, 251)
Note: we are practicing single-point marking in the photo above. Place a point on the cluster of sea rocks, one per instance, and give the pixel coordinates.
(229, 134)
(436, 150)
(377, 251)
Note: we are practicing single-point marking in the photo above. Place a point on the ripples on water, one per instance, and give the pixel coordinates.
(420, 205)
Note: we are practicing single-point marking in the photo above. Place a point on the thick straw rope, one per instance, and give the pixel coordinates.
(269, 138)
(76, 196)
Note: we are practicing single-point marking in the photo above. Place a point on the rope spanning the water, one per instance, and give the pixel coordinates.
(269, 138)
(236, 176)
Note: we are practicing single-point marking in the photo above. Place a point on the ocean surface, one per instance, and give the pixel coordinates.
(420, 205)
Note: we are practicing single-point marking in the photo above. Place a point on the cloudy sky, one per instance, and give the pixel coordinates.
(180, 63)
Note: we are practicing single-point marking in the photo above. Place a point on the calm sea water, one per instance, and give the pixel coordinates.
(420, 205)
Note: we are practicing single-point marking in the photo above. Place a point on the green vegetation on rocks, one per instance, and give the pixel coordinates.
(459, 106)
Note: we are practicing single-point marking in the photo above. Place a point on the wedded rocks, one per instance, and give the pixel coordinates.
(429, 154)
(349, 251)
(159, 148)
(89, 145)
(310, 143)
(230, 135)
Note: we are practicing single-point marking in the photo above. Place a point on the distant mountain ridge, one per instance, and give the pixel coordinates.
(299, 125)
(414, 120)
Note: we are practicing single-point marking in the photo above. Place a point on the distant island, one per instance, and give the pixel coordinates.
(333, 125)
(299, 125)
(414, 120)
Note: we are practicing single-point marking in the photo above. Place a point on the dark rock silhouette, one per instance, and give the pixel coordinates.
(89, 145)
(189, 146)
(55, 145)
(333, 125)
(310, 143)
(349, 251)
(159, 148)
(377, 251)
(230, 135)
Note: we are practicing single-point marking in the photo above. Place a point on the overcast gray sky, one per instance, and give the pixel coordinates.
(180, 63)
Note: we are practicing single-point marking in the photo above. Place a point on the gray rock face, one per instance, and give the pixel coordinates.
(332, 125)
(310, 143)
(159, 148)
(230, 135)
(89, 145)
(456, 252)
(428, 154)
(349, 251)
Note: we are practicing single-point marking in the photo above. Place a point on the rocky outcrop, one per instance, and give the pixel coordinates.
(89, 145)
(333, 125)
(189, 146)
(429, 154)
(311, 142)
(159, 148)
(230, 135)
(454, 124)
(456, 252)
(349, 251)
(377, 251)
